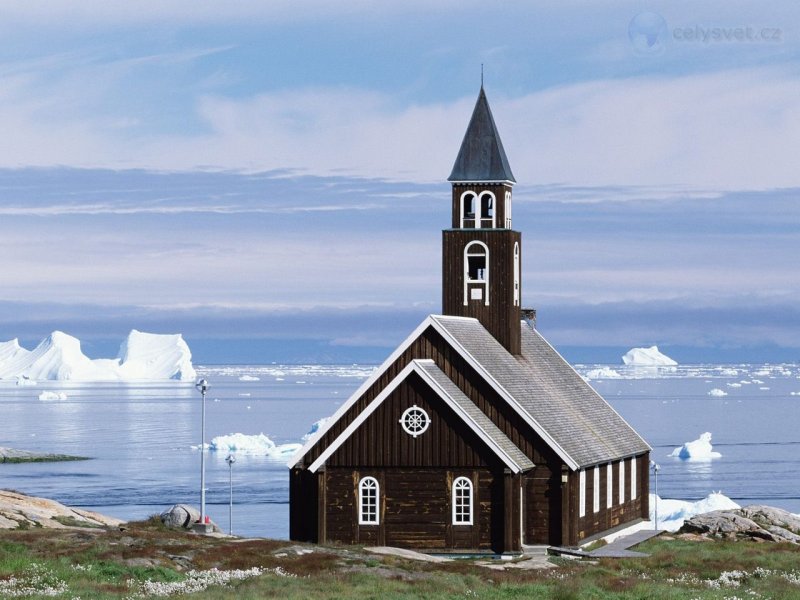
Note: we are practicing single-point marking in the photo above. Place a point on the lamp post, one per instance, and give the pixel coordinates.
(656, 469)
(202, 387)
(230, 459)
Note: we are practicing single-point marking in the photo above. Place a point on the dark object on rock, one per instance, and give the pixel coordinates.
(751, 522)
(180, 516)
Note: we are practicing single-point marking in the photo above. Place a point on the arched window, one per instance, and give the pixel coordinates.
(462, 501)
(486, 216)
(468, 217)
(516, 273)
(508, 210)
(368, 500)
(476, 272)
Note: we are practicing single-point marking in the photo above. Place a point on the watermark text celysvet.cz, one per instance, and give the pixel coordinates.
(650, 34)
(708, 35)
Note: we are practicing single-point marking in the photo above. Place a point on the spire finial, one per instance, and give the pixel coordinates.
(481, 75)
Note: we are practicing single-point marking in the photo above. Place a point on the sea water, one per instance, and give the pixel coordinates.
(143, 439)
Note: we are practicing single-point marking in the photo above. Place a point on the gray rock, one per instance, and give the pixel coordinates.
(752, 522)
(180, 516)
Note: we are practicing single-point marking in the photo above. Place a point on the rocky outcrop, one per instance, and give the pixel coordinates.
(751, 522)
(21, 511)
(10, 455)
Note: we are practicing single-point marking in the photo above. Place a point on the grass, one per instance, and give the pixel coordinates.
(146, 559)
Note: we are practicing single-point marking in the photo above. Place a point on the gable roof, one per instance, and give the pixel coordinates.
(463, 407)
(546, 387)
(481, 157)
(549, 395)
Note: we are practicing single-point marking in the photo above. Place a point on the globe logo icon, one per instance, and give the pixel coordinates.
(648, 33)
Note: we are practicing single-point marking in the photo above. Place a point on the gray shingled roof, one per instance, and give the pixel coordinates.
(476, 414)
(481, 157)
(576, 417)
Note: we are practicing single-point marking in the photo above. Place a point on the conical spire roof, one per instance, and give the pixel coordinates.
(481, 157)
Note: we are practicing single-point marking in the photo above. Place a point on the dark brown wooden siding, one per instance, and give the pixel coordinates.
(631, 509)
(381, 441)
(303, 505)
(416, 510)
(501, 317)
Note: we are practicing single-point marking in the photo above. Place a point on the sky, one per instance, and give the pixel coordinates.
(269, 178)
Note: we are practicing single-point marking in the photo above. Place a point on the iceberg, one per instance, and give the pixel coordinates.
(249, 378)
(647, 357)
(315, 427)
(717, 392)
(672, 513)
(255, 445)
(52, 396)
(142, 356)
(602, 373)
(699, 449)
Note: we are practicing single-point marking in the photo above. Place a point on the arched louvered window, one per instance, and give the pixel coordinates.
(486, 217)
(476, 272)
(368, 501)
(508, 210)
(462, 501)
(468, 208)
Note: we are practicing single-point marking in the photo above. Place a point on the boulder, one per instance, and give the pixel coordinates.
(753, 522)
(180, 516)
(184, 516)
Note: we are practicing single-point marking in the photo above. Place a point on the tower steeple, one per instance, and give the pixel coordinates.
(481, 254)
(481, 156)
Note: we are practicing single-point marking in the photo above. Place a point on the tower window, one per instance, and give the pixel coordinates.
(462, 501)
(508, 210)
(476, 272)
(487, 210)
(468, 202)
(368, 497)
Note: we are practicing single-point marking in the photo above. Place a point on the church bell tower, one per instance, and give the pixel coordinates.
(481, 254)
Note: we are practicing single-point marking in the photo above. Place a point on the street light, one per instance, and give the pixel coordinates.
(202, 387)
(656, 469)
(230, 459)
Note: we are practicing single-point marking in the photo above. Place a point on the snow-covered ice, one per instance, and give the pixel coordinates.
(699, 449)
(142, 356)
(647, 357)
(717, 392)
(257, 445)
(602, 373)
(672, 513)
(47, 395)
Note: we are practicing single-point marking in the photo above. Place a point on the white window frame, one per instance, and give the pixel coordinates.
(508, 210)
(516, 273)
(609, 485)
(581, 493)
(483, 282)
(633, 478)
(368, 485)
(460, 484)
(622, 482)
(596, 490)
(476, 213)
(479, 215)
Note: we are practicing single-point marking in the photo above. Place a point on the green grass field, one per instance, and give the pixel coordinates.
(146, 560)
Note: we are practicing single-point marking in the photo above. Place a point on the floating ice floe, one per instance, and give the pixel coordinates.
(728, 372)
(255, 445)
(602, 373)
(249, 378)
(647, 357)
(734, 385)
(315, 428)
(717, 392)
(52, 396)
(142, 356)
(672, 513)
(699, 449)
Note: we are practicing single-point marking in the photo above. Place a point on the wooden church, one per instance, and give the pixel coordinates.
(475, 435)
